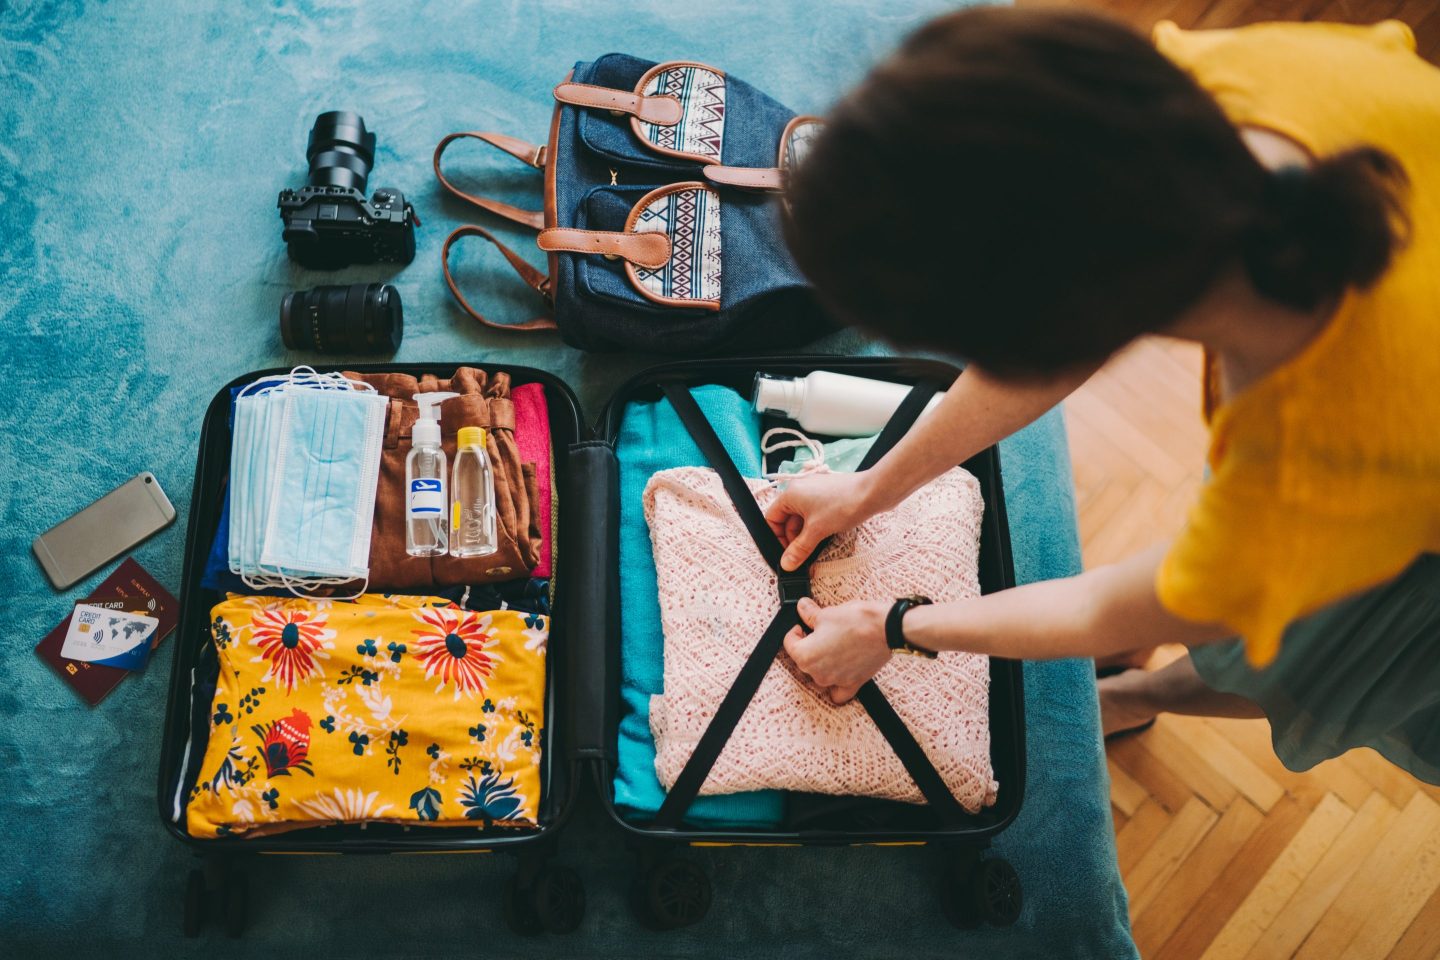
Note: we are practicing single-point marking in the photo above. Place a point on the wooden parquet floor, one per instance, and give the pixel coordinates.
(1227, 854)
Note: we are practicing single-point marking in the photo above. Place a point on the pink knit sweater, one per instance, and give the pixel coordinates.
(717, 596)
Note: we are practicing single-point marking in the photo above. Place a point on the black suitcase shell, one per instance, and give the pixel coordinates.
(583, 664)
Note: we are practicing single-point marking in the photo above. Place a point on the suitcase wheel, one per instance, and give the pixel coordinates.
(194, 917)
(672, 894)
(553, 902)
(237, 898)
(559, 898)
(520, 914)
(982, 891)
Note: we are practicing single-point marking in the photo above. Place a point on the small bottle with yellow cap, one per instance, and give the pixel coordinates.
(472, 493)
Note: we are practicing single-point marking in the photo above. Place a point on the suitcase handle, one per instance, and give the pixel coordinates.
(591, 583)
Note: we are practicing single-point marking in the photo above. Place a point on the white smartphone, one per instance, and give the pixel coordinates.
(77, 547)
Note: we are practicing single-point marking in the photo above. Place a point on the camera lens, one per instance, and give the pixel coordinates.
(359, 318)
(341, 152)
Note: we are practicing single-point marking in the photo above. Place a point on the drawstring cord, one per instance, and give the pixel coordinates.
(769, 446)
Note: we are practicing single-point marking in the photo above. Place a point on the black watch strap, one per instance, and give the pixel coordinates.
(895, 627)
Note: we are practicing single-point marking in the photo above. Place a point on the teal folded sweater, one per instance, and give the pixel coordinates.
(651, 439)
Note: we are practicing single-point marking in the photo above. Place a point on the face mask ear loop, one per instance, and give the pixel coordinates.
(767, 447)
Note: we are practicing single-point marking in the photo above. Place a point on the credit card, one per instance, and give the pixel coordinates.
(129, 588)
(113, 638)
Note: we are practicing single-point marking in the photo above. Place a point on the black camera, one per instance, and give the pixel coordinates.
(360, 318)
(328, 222)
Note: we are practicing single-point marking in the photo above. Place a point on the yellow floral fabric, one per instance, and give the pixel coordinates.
(388, 708)
(1325, 474)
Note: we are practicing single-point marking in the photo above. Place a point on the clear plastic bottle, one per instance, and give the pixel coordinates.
(425, 499)
(472, 492)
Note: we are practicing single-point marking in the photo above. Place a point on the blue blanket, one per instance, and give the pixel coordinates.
(141, 268)
(651, 439)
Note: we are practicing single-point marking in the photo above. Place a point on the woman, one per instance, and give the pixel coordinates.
(1032, 190)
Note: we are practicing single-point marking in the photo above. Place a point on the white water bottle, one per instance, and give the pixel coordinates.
(425, 500)
(832, 404)
(472, 489)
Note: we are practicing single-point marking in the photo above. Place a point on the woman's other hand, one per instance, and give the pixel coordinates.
(846, 645)
(813, 507)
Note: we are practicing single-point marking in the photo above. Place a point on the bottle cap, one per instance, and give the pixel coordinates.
(778, 395)
(470, 437)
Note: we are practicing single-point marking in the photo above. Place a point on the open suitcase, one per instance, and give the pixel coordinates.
(579, 739)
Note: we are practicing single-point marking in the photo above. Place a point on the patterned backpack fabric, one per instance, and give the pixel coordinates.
(661, 217)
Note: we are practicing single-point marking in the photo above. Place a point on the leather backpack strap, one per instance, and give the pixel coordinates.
(532, 277)
(648, 250)
(528, 152)
(768, 179)
(664, 111)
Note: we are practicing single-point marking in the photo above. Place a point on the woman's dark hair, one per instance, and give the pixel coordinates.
(1034, 189)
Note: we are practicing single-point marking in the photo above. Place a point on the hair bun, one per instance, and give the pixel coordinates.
(1322, 229)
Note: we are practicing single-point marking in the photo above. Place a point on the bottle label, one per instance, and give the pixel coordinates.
(427, 498)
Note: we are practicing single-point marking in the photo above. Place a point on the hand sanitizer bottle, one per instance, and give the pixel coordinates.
(425, 500)
(472, 490)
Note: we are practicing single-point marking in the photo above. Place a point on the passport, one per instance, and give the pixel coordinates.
(129, 589)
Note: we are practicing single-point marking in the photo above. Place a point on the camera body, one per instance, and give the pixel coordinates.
(328, 222)
(328, 227)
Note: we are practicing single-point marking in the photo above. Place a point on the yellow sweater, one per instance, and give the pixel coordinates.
(1325, 475)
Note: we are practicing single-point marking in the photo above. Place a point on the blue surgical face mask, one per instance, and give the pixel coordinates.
(326, 469)
(304, 466)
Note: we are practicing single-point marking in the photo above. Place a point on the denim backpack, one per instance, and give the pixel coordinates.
(661, 215)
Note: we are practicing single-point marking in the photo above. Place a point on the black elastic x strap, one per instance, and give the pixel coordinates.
(793, 586)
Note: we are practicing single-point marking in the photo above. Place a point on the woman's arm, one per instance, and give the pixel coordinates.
(978, 410)
(1106, 610)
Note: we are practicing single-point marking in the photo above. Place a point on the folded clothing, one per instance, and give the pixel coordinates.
(532, 437)
(484, 401)
(651, 439)
(388, 708)
(526, 410)
(717, 596)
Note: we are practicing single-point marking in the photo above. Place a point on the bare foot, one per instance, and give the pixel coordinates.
(1120, 708)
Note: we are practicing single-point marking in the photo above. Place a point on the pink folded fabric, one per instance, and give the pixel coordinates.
(717, 596)
(532, 439)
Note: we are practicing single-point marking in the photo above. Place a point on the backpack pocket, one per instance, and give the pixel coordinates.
(679, 116)
(662, 251)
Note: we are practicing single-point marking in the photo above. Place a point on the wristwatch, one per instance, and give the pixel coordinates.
(895, 627)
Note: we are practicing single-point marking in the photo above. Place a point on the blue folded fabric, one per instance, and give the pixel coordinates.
(652, 438)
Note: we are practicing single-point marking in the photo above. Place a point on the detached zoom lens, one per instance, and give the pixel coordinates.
(341, 152)
(360, 318)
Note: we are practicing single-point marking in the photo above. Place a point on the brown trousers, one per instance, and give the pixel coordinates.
(484, 401)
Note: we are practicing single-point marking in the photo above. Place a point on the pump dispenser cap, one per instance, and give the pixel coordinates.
(426, 431)
(470, 437)
(780, 396)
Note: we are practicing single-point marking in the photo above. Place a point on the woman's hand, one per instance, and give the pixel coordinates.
(813, 507)
(846, 645)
